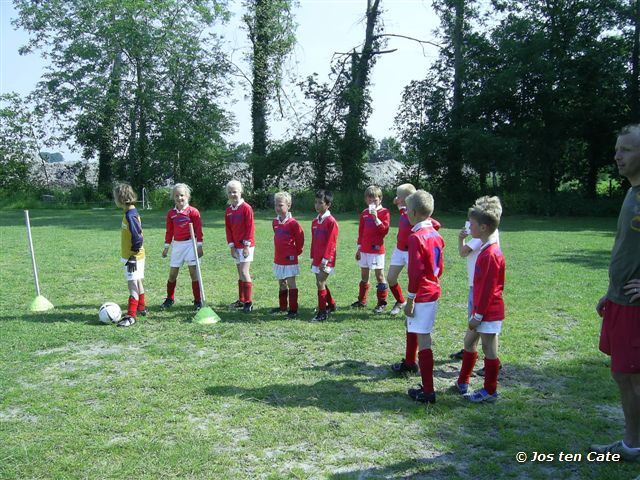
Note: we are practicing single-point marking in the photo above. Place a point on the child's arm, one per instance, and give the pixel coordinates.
(332, 242)
(299, 239)
(463, 249)
(168, 235)
(197, 229)
(249, 231)
(230, 243)
(359, 240)
(414, 270)
(383, 219)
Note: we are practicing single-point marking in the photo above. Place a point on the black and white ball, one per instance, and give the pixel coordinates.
(109, 312)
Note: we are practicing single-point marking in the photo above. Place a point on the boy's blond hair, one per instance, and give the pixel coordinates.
(233, 183)
(181, 186)
(487, 211)
(286, 196)
(421, 202)
(405, 190)
(373, 191)
(123, 194)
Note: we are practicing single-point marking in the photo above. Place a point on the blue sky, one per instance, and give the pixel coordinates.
(324, 27)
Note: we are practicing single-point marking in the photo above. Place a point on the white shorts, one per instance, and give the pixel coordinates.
(240, 258)
(424, 317)
(490, 327)
(373, 261)
(138, 274)
(399, 258)
(181, 253)
(329, 270)
(285, 271)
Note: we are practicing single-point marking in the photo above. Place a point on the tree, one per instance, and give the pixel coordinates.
(271, 30)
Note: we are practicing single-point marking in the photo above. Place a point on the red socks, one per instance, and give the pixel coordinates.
(282, 298)
(140, 301)
(330, 301)
(396, 290)
(364, 291)
(293, 299)
(195, 288)
(241, 291)
(468, 362)
(132, 307)
(171, 290)
(381, 292)
(491, 370)
(247, 287)
(322, 300)
(425, 360)
(411, 349)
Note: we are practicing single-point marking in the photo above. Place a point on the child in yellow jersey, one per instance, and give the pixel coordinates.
(132, 252)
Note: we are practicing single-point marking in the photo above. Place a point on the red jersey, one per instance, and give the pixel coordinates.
(371, 233)
(178, 225)
(425, 262)
(324, 240)
(404, 229)
(238, 223)
(288, 240)
(488, 284)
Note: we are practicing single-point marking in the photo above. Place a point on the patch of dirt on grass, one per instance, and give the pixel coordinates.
(17, 414)
(611, 412)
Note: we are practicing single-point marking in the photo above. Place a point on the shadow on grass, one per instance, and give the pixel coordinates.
(594, 259)
(60, 313)
(435, 468)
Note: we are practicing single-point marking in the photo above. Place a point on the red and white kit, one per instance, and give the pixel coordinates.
(238, 222)
(324, 241)
(488, 285)
(177, 235)
(288, 241)
(372, 230)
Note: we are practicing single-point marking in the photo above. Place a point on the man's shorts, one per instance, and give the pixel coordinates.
(620, 336)
(285, 271)
(240, 258)
(399, 258)
(494, 327)
(138, 274)
(316, 270)
(372, 261)
(181, 253)
(424, 317)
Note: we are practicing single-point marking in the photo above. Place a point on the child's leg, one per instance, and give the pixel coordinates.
(132, 307)
(171, 282)
(283, 293)
(245, 281)
(321, 283)
(469, 356)
(293, 293)
(195, 284)
(141, 302)
(381, 288)
(364, 285)
(425, 360)
(491, 361)
(394, 286)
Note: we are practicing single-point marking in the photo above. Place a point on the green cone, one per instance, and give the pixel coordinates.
(40, 304)
(206, 316)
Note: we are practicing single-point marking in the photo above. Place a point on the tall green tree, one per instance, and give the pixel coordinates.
(271, 30)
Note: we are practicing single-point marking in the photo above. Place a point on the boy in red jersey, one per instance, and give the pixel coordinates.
(374, 226)
(324, 241)
(288, 240)
(425, 268)
(132, 252)
(178, 236)
(400, 256)
(487, 313)
(238, 222)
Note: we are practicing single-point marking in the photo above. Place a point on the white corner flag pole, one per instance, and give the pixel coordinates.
(205, 315)
(39, 304)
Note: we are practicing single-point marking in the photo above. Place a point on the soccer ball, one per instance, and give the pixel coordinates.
(109, 313)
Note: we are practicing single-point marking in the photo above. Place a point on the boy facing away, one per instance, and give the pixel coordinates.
(288, 240)
(374, 226)
(426, 254)
(132, 252)
(324, 242)
(178, 237)
(487, 311)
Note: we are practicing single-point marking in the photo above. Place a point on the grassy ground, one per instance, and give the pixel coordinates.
(262, 397)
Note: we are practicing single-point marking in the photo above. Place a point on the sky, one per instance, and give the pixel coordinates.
(324, 28)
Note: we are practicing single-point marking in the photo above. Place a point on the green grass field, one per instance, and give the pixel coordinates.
(262, 397)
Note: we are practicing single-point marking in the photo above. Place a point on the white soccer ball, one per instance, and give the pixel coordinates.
(109, 313)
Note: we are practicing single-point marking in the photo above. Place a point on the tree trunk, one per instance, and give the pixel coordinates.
(107, 129)
(259, 96)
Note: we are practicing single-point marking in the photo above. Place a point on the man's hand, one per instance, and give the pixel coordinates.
(600, 306)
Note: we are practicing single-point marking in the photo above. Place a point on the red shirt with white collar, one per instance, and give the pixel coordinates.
(288, 240)
(488, 284)
(404, 229)
(178, 225)
(372, 231)
(425, 262)
(238, 223)
(324, 240)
